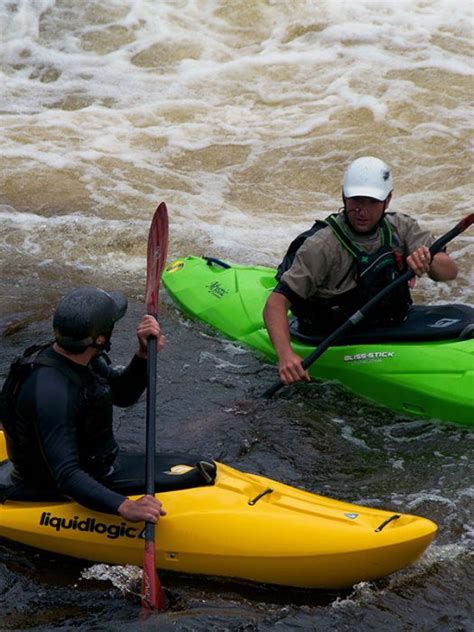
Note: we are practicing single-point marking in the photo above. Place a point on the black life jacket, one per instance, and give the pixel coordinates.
(372, 272)
(97, 447)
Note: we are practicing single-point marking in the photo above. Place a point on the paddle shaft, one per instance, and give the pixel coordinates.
(150, 428)
(360, 314)
(153, 596)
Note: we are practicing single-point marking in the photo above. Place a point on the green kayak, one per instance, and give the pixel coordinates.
(423, 367)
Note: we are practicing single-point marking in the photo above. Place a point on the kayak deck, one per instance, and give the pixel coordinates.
(244, 527)
(429, 378)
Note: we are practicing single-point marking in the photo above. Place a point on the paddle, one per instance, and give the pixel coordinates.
(365, 309)
(153, 595)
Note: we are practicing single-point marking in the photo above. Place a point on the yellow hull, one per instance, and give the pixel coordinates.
(288, 536)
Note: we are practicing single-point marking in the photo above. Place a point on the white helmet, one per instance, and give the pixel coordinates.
(368, 177)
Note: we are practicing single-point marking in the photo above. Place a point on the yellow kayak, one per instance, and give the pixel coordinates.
(243, 526)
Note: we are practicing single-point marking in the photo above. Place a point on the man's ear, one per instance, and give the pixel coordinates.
(100, 341)
(387, 201)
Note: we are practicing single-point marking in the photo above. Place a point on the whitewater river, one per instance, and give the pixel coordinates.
(242, 116)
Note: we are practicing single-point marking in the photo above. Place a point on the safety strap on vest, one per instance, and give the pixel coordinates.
(354, 249)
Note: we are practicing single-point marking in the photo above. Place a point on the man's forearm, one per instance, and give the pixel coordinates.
(275, 315)
(443, 268)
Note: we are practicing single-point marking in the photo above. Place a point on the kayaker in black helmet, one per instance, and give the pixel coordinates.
(56, 408)
(339, 264)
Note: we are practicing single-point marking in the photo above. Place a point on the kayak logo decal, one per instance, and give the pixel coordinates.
(445, 322)
(352, 516)
(372, 355)
(88, 525)
(176, 266)
(216, 289)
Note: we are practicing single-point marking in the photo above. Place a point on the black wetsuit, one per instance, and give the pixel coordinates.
(63, 438)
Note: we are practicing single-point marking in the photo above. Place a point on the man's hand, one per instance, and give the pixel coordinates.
(276, 321)
(146, 508)
(147, 327)
(290, 368)
(439, 268)
(420, 260)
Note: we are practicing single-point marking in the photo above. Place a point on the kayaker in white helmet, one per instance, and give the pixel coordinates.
(340, 263)
(56, 409)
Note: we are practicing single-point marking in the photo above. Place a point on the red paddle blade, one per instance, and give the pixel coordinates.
(466, 222)
(156, 257)
(153, 596)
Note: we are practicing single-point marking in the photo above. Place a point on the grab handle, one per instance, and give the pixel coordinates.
(222, 264)
(386, 522)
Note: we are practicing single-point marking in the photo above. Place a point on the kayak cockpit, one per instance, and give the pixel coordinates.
(424, 323)
(174, 471)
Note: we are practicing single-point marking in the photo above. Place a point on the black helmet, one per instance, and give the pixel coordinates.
(84, 314)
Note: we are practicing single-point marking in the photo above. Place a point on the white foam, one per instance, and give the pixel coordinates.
(125, 578)
(347, 432)
(219, 363)
(369, 593)
(242, 119)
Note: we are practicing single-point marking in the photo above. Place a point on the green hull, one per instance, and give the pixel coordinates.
(432, 380)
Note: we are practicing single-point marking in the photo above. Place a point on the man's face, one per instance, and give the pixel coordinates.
(364, 213)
